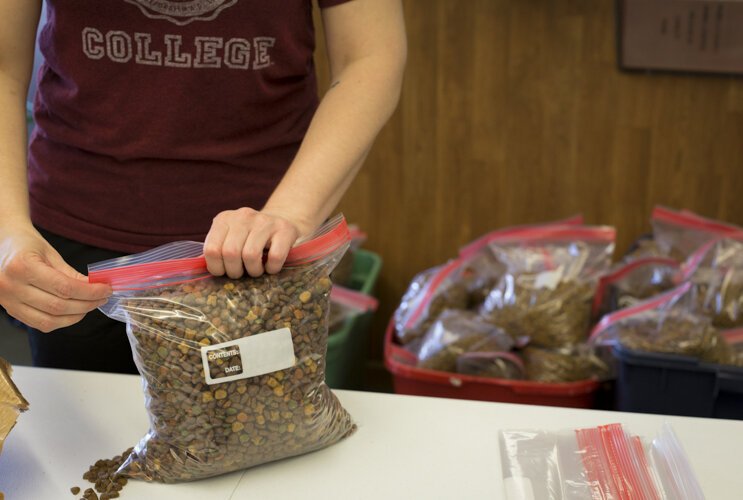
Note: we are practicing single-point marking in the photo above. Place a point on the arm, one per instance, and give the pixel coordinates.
(36, 285)
(367, 52)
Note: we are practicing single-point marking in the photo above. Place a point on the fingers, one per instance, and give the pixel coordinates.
(50, 280)
(41, 320)
(281, 243)
(213, 247)
(238, 239)
(53, 305)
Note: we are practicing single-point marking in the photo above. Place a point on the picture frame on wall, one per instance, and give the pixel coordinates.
(698, 36)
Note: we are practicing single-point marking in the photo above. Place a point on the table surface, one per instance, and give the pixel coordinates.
(405, 447)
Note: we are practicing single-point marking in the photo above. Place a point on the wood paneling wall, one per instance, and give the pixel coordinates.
(514, 111)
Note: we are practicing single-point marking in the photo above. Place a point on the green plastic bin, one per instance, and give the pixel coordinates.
(347, 347)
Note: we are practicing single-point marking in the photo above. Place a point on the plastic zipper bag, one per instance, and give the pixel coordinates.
(233, 370)
(716, 274)
(633, 282)
(548, 289)
(604, 462)
(665, 324)
(678, 234)
(458, 332)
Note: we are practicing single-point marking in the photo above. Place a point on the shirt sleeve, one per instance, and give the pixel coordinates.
(330, 3)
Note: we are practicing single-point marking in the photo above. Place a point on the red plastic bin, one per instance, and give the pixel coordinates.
(411, 380)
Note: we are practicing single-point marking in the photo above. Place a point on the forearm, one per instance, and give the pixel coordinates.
(360, 101)
(13, 140)
(18, 20)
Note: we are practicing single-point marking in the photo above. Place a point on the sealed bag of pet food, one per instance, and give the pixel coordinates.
(633, 282)
(481, 270)
(565, 364)
(665, 324)
(716, 274)
(547, 291)
(457, 332)
(493, 364)
(678, 234)
(430, 293)
(233, 370)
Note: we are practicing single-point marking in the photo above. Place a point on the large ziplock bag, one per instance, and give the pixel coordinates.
(604, 462)
(633, 282)
(461, 283)
(716, 274)
(233, 370)
(665, 324)
(548, 289)
(678, 234)
(455, 333)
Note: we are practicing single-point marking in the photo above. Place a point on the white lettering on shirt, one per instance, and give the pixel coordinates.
(176, 52)
(145, 55)
(93, 46)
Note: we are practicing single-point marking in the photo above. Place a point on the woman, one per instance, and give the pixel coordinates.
(173, 120)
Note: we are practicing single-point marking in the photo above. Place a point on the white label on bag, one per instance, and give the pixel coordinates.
(549, 279)
(248, 357)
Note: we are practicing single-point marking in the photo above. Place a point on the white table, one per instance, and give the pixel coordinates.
(405, 447)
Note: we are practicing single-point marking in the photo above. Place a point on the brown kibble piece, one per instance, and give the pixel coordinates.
(75, 490)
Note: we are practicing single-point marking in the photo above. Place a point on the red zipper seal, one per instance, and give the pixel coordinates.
(647, 305)
(433, 285)
(193, 268)
(693, 221)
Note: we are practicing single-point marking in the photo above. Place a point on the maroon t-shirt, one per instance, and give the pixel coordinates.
(152, 116)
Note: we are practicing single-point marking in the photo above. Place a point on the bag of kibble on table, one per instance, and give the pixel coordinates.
(233, 370)
(666, 324)
(547, 291)
(455, 333)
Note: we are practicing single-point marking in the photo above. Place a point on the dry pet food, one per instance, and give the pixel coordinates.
(491, 364)
(665, 324)
(634, 282)
(568, 364)
(458, 332)
(234, 370)
(430, 293)
(548, 289)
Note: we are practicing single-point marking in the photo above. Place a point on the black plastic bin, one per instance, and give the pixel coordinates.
(677, 385)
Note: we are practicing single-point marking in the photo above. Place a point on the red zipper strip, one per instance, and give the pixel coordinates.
(692, 221)
(353, 299)
(481, 242)
(304, 253)
(733, 336)
(560, 233)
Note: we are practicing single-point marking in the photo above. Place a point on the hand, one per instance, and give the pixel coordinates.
(38, 287)
(238, 238)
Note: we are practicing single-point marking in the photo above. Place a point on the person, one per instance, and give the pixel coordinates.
(169, 120)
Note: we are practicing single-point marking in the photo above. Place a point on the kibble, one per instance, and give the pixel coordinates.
(200, 430)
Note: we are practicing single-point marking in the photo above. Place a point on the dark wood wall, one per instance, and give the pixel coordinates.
(514, 111)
